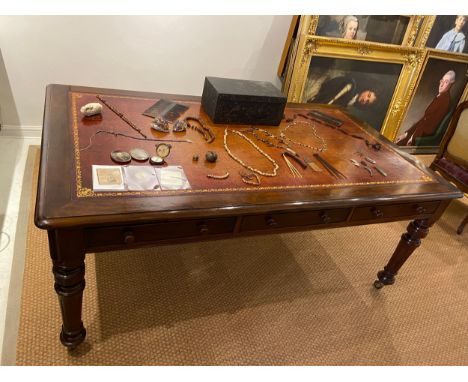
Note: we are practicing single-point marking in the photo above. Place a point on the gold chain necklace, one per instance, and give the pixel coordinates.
(275, 165)
(281, 141)
(314, 130)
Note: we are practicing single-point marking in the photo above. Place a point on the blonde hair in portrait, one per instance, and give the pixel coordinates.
(349, 26)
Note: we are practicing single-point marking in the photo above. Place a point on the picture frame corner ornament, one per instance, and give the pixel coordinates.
(310, 46)
(413, 58)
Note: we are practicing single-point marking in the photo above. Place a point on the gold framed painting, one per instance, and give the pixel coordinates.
(371, 81)
(288, 44)
(441, 86)
(384, 29)
(445, 32)
(288, 56)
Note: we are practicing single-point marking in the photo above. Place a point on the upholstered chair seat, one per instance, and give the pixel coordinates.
(452, 159)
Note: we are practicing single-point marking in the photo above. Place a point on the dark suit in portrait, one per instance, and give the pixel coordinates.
(431, 119)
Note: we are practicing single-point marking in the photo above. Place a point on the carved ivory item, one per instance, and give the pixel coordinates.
(91, 109)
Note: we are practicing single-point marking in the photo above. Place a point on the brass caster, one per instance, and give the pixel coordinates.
(378, 284)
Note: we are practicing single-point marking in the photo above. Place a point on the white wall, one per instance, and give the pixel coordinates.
(169, 54)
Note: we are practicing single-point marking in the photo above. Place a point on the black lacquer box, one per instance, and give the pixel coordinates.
(228, 100)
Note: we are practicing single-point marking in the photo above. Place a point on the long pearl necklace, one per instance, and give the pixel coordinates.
(275, 165)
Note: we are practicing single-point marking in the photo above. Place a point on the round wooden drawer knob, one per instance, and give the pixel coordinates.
(324, 217)
(129, 237)
(270, 221)
(203, 228)
(376, 212)
(421, 210)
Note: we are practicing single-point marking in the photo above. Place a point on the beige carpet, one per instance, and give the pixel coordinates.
(290, 299)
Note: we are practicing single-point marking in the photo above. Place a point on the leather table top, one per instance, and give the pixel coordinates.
(91, 148)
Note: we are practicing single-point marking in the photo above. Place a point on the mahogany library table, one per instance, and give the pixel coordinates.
(269, 198)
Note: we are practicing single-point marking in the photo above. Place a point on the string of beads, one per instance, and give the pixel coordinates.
(324, 145)
(238, 160)
(280, 141)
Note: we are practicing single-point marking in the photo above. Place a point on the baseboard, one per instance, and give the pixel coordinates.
(21, 131)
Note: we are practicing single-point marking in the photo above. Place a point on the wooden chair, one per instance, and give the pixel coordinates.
(452, 159)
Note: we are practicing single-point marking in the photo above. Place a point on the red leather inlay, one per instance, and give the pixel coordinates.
(341, 148)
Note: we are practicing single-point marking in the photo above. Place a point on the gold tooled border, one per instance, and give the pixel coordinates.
(84, 192)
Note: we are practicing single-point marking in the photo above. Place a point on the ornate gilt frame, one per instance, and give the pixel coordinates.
(424, 31)
(438, 54)
(287, 45)
(308, 26)
(410, 58)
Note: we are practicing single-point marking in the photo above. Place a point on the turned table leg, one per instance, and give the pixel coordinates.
(461, 227)
(67, 253)
(409, 241)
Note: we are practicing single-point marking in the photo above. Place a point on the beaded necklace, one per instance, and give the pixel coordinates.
(129, 136)
(204, 130)
(253, 169)
(282, 139)
(121, 116)
(324, 145)
(310, 116)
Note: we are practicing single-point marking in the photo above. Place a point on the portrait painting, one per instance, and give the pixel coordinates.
(385, 29)
(363, 88)
(449, 33)
(441, 86)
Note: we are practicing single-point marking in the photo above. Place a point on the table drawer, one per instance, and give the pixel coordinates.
(393, 211)
(146, 233)
(293, 219)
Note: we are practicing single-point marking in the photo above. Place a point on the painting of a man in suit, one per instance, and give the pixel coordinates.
(438, 92)
(434, 113)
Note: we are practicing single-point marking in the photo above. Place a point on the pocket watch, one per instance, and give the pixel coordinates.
(163, 150)
(156, 160)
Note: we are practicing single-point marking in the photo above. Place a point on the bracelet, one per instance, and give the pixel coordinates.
(212, 176)
(248, 176)
(207, 133)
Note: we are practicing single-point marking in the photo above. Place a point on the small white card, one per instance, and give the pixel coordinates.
(172, 178)
(140, 178)
(108, 178)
